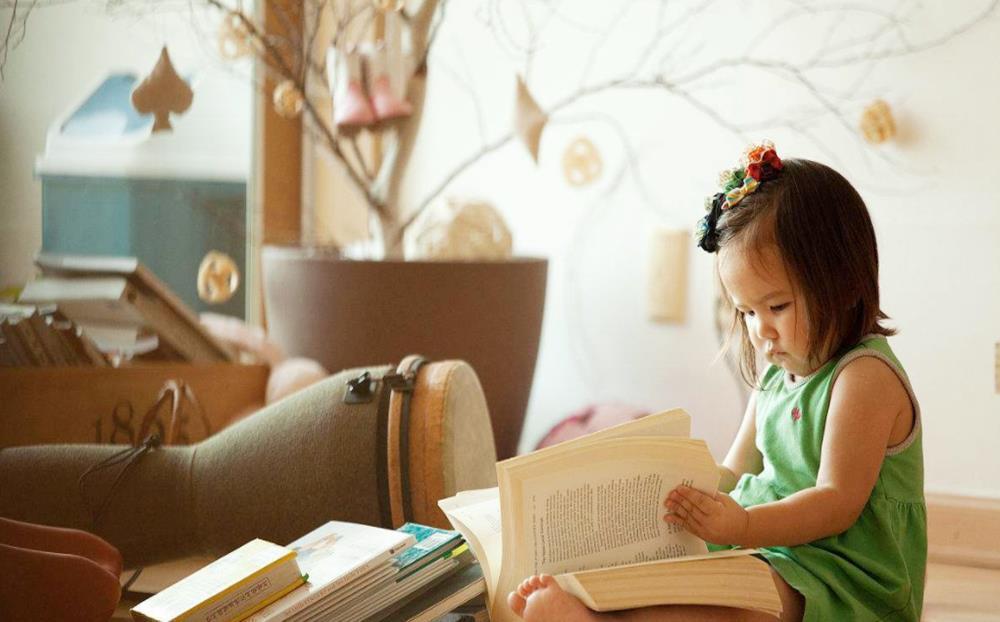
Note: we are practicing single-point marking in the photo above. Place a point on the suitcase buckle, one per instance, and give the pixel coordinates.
(360, 390)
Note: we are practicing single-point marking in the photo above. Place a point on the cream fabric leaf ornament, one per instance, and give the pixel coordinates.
(162, 92)
(529, 119)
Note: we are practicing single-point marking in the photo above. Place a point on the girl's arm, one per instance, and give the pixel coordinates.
(743, 456)
(865, 402)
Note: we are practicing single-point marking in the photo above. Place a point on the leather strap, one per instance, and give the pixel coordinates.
(402, 384)
(382, 459)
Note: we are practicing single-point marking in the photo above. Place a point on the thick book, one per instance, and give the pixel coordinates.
(436, 554)
(449, 594)
(430, 544)
(595, 504)
(156, 305)
(396, 590)
(230, 588)
(335, 555)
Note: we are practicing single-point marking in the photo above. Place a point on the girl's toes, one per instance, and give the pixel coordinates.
(536, 582)
(524, 589)
(516, 603)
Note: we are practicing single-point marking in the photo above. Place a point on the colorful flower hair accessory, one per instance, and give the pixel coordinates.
(760, 163)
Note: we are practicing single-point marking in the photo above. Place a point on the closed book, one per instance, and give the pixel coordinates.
(50, 340)
(436, 554)
(160, 308)
(335, 555)
(101, 300)
(229, 588)
(396, 591)
(17, 349)
(444, 597)
(20, 317)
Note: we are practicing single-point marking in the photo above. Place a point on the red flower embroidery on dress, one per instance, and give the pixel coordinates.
(796, 414)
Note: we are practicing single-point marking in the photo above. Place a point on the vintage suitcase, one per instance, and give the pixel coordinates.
(376, 445)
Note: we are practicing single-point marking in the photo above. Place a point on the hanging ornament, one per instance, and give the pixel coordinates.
(389, 70)
(218, 277)
(877, 124)
(387, 6)
(234, 38)
(288, 100)
(581, 162)
(529, 119)
(456, 229)
(162, 92)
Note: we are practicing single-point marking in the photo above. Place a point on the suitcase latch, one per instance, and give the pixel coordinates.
(360, 390)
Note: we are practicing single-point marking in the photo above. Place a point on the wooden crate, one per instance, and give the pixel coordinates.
(92, 404)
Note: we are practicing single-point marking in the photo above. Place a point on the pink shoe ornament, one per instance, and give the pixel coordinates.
(388, 73)
(385, 102)
(351, 107)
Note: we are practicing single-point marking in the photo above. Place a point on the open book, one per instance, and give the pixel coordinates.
(589, 511)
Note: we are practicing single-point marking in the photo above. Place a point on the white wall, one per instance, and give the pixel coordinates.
(931, 195)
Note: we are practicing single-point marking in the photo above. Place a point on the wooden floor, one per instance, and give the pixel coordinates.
(961, 593)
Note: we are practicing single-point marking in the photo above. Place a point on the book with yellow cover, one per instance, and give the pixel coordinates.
(230, 588)
(589, 511)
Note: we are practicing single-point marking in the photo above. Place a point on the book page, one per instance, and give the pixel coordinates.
(674, 422)
(595, 505)
(476, 515)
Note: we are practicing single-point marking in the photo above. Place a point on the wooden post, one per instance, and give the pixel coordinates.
(277, 179)
(275, 188)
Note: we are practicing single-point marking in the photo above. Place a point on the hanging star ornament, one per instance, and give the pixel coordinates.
(529, 119)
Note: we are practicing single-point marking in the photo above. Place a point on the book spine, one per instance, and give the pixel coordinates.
(19, 350)
(247, 596)
(47, 336)
(34, 346)
(305, 599)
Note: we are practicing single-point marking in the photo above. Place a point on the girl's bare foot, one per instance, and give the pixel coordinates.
(539, 598)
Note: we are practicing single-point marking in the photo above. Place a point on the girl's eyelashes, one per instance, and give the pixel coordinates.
(772, 309)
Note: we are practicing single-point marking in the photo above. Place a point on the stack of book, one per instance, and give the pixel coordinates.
(359, 572)
(229, 588)
(123, 308)
(41, 336)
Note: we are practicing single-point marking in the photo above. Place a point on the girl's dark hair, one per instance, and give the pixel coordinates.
(825, 237)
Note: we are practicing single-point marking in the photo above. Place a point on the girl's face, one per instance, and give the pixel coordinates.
(775, 316)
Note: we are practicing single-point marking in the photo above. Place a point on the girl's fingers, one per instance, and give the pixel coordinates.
(698, 501)
(684, 503)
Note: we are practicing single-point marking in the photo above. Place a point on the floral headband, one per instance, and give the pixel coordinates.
(759, 163)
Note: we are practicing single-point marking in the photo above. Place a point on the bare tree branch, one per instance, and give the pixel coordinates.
(678, 60)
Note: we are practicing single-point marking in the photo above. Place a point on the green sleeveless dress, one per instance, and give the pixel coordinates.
(875, 569)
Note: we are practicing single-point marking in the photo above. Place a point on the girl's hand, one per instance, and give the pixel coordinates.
(718, 519)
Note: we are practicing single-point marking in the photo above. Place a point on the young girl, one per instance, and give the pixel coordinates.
(825, 475)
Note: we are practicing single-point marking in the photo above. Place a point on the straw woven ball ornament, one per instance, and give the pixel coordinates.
(582, 162)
